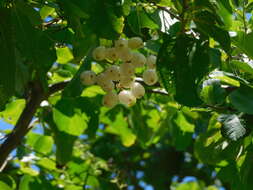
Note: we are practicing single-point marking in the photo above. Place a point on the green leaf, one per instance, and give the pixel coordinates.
(45, 11)
(190, 186)
(212, 143)
(243, 66)
(40, 143)
(4, 186)
(212, 93)
(181, 131)
(44, 144)
(68, 118)
(9, 180)
(12, 111)
(64, 55)
(231, 175)
(186, 92)
(7, 54)
(232, 126)
(139, 19)
(227, 78)
(244, 43)
(241, 99)
(205, 22)
(120, 127)
(33, 44)
(28, 183)
(75, 87)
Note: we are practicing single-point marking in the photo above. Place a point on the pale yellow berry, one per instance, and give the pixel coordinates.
(99, 53)
(127, 69)
(127, 98)
(120, 43)
(113, 73)
(110, 99)
(135, 43)
(107, 86)
(151, 62)
(138, 60)
(124, 54)
(101, 78)
(125, 81)
(137, 90)
(88, 78)
(150, 77)
(111, 54)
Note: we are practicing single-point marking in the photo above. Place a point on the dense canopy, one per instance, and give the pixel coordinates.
(126, 94)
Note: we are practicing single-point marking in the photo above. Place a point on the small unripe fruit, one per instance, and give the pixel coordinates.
(120, 43)
(151, 62)
(126, 69)
(135, 43)
(138, 60)
(111, 54)
(99, 53)
(150, 77)
(110, 99)
(113, 73)
(127, 98)
(137, 90)
(88, 78)
(124, 54)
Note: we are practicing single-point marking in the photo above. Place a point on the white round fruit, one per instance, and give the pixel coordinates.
(120, 43)
(127, 69)
(135, 43)
(137, 90)
(99, 53)
(113, 73)
(138, 60)
(88, 77)
(111, 54)
(124, 54)
(101, 78)
(125, 81)
(151, 62)
(150, 77)
(107, 86)
(127, 98)
(110, 99)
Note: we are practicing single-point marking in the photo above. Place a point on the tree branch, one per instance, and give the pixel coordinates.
(23, 124)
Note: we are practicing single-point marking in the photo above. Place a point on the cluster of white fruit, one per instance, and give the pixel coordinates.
(122, 74)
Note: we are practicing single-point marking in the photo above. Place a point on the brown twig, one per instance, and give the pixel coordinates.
(23, 124)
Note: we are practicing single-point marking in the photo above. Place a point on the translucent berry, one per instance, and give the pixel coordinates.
(127, 69)
(125, 81)
(127, 98)
(137, 90)
(88, 78)
(110, 99)
(101, 78)
(120, 43)
(107, 85)
(111, 54)
(135, 43)
(99, 53)
(150, 77)
(138, 60)
(124, 54)
(151, 62)
(113, 73)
